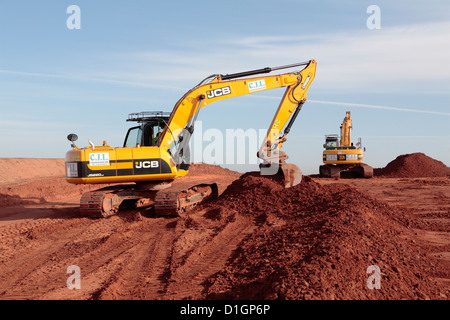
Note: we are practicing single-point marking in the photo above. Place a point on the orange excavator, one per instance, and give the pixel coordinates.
(155, 152)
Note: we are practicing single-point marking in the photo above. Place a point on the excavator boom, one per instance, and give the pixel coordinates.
(220, 87)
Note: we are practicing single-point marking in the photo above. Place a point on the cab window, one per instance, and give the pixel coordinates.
(133, 138)
(331, 144)
(151, 134)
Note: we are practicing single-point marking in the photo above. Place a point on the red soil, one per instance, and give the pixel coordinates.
(316, 242)
(414, 165)
(256, 241)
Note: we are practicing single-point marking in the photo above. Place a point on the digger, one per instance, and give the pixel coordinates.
(341, 157)
(155, 152)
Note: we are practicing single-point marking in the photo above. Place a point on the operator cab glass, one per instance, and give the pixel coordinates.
(133, 138)
(152, 130)
(147, 133)
(331, 142)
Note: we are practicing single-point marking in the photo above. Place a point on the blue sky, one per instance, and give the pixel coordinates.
(132, 56)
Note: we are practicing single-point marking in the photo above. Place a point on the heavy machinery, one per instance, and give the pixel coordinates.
(156, 151)
(341, 157)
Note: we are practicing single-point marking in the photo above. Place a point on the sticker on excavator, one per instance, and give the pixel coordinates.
(99, 159)
(257, 85)
(306, 82)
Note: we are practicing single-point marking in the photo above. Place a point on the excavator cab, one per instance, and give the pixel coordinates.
(331, 141)
(147, 133)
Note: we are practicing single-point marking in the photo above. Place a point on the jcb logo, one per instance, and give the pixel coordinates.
(146, 164)
(218, 92)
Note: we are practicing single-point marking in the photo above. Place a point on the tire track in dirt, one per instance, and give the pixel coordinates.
(30, 267)
(153, 268)
(114, 269)
(118, 259)
(145, 264)
(42, 255)
(20, 219)
(208, 257)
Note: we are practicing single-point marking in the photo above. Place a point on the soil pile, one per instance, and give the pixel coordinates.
(41, 191)
(196, 169)
(30, 181)
(414, 165)
(18, 170)
(317, 242)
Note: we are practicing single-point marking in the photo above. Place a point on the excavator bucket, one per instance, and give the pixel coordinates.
(292, 175)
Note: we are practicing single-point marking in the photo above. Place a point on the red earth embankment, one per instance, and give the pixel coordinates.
(414, 165)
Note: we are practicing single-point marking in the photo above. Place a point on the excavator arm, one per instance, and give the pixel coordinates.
(346, 127)
(180, 126)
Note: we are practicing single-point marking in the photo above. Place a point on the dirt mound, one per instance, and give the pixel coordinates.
(316, 242)
(29, 181)
(41, 191)
(19, 170)
(414, 165)
(197, 169)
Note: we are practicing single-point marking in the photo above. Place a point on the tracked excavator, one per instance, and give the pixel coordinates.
(144, 171)
(341, 157)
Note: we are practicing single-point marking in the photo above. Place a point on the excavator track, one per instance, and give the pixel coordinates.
(366, 170)
(108, 201)
(176, 201)
(172, 201)
(360, 170)
(91, 204)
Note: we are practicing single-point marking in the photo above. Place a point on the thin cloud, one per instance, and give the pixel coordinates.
(90, 79)
(371, 106)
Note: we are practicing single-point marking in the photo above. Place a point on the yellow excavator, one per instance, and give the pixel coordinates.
(341, 157)
(156, 151)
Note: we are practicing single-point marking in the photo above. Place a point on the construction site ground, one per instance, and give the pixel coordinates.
(256, 241)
